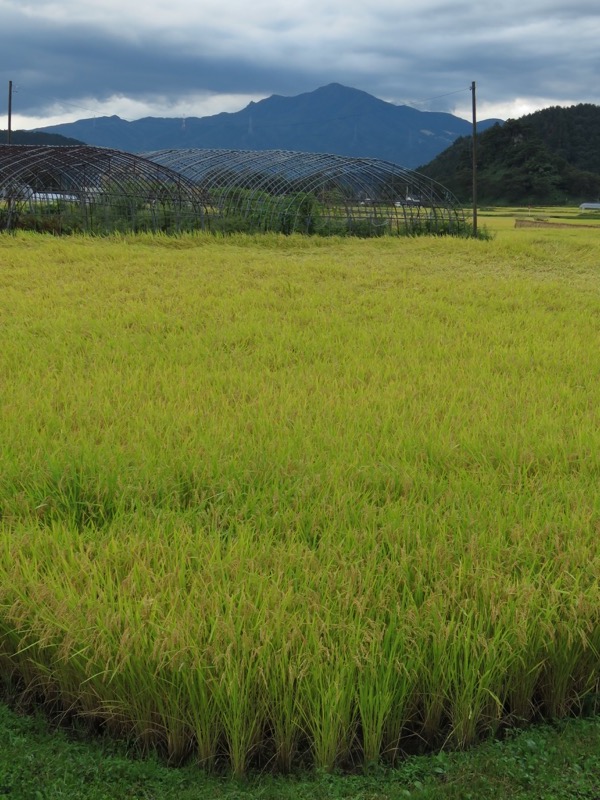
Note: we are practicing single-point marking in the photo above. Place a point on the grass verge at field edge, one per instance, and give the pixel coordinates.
(560, 762)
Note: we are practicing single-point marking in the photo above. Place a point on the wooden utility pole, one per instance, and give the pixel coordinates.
(474, 160)
(9, 112)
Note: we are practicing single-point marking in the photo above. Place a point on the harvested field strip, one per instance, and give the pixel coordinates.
(543, 223)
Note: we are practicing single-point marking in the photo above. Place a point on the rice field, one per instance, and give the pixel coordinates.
(283, 501)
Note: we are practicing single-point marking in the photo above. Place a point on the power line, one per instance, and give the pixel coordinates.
(440, 96)
(50, 99)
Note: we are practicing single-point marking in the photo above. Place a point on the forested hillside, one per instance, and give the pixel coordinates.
(572, 133)
(35, 137)
(551, 156)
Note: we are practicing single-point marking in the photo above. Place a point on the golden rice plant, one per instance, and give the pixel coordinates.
(276, 501)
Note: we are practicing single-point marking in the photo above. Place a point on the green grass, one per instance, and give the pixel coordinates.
(273, 502)
(561, 762)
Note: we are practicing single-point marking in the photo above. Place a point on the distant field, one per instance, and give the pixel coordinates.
(271, 500)
(502, 219)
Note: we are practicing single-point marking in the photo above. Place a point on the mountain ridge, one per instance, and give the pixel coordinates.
(333, 118)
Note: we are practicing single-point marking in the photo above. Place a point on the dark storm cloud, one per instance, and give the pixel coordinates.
(65, 51)
(59, 64)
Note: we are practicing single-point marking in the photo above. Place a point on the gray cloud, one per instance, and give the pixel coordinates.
(93, 51)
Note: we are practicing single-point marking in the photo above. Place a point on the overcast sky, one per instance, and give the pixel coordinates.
(70, 59)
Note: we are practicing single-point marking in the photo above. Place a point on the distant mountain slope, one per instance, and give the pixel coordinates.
(551, 156)
(332, 119)
(35, 137)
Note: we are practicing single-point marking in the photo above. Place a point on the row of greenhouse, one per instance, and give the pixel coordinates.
(97, 190)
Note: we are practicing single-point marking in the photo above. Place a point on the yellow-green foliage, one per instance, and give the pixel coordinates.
(269, 498)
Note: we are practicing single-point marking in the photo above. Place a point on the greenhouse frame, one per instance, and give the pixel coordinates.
(99, 190)
(93, 190)
(309, 193)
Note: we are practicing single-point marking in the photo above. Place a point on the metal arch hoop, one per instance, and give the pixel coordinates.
(93, 190)
(293, 191)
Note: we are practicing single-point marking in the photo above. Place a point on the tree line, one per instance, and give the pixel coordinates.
(548, 157)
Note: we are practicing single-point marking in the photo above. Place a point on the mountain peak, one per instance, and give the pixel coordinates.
(331, 119)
